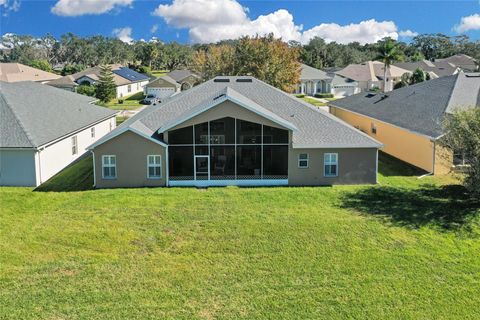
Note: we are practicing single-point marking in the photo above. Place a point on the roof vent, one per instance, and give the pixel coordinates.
(371, 95)
(218, 97)
(244, 80)
(221, 80)
(472, 75)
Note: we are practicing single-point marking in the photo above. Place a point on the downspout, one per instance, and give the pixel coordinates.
(94, 173)
(167, 169)
(376, 170)
(39, 166)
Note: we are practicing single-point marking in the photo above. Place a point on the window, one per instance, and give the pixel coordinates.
(303, 160)
(374, 128)
(92, 132)
(109, 167)
(154, 167)
(110, 126)
(330, 163)
(129, 88)
(74, 145)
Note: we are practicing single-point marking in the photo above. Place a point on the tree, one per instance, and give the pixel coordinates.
(434, 46)
(418, 75)
(463, 138)
(388, 53)
(41, 64)
(265, 58)
(106, 88)
(88, 90)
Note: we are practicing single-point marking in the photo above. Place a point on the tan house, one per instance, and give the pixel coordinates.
(234, 131)
(370, 75)
(162, 87)
(16, 72)
(408, 121)
(186, 78)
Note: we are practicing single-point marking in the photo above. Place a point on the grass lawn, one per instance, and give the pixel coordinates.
(159, 73)
(129, 103)
(404, 249)
(314, 102)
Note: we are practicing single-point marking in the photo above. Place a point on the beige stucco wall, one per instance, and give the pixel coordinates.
(131, 151)
(355, 166)
(405, 145)
(160, 83)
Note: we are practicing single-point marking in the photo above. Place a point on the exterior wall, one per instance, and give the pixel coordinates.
(161, 92)
(58, 155)
(443, 160)
(410, 147)
(122, 91)
(131, 161)
(17, 168)
(355, 166)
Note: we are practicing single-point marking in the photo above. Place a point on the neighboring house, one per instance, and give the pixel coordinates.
(370, 74)
(15, 72)
(464, 62)
(234, 131)
(128, 81)
(313, 81)
(186, 78)
(162, 87)
(435, 69)
(43, 129)
(408, 121)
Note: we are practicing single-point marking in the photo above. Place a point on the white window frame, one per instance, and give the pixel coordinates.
(109, 165)
(330, 163)
(307, 160)
(92, 132)
(154, 165)
(74, 145)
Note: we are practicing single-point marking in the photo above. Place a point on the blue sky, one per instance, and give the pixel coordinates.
(212, 20)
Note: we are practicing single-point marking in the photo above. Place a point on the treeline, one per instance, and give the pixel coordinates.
(72, 53)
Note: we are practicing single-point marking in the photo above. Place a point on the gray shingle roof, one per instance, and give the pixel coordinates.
(32, 114)
(315, 128)
(463, 61)
(440, 69)
(166, 78)
(179, 75)
(310, 73)
(419, 108)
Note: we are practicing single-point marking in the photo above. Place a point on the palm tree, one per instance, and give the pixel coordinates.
(388, 53)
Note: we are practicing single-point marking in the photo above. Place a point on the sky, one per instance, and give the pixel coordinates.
(204, 21)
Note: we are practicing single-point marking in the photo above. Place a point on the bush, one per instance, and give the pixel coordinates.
(323, 95)
(87, 90)
(300, 95)
(120, 101)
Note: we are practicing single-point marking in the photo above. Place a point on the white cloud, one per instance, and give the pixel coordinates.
(73, 8)
(154, 28)
(408, 33)
(215, 20)
(8, 6)
(468, 23)
(124, 34)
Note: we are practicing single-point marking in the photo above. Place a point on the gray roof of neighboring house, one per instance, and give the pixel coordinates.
(462, 61)
(315, 128)
(64, 82)
(420, 108)
(179, 75)
(310, 73)
(370, 71)
(32, 114)
(438, 68)
(167, 79)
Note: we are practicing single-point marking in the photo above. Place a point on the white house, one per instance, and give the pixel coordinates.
(314, 81)
(45, 130)
(128, 81)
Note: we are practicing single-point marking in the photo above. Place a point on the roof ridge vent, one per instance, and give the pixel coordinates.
(221, 80)
(244, 80)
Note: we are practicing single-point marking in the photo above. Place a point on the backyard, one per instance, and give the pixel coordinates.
(407, 248)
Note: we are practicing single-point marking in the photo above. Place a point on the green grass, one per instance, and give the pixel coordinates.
(314, 102)
(159, 73)
(129, 103)
(405, 249)
(121, 119)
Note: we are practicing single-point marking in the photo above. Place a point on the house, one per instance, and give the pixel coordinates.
(408, 121)
(234, 131)
(15, 72)
(162, 87)
(43, 131)
(314, 81)
(370, 74)
(128, 81)
(464, 62)
(186, 78)
(435, 69)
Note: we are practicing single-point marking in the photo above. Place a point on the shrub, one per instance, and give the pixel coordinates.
(300, 95)
(120, 101)
(323, 95)
(87, 90)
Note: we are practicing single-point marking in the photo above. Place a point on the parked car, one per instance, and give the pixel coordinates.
(150, 99)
